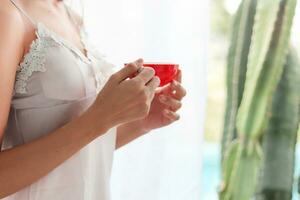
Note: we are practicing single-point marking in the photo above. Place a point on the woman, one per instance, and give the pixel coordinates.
(63, 110)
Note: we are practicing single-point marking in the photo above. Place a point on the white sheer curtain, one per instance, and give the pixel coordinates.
(165, 164)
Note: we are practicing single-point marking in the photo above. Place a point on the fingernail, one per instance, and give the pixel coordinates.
(140, 60)
(175, 82)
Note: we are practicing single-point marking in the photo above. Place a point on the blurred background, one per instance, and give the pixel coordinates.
(180, 162)
(221, 20)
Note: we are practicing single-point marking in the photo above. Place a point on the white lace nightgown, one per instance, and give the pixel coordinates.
(55, 83)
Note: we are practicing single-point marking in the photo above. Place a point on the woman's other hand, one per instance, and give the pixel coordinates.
(164, 107)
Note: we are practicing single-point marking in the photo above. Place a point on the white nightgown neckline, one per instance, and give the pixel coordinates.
(33, 60)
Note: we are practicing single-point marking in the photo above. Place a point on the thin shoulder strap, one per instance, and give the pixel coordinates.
(23, 12)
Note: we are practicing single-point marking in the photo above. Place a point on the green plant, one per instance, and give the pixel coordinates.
(280, 137)
(268, 50)
(237, 66)
(299, 185)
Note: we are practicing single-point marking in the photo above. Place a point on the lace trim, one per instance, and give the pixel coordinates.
(44, 32)
(33, 62)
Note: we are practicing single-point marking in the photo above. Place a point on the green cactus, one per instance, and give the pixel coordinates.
(268, 51)
(237, 67)
(299, 186)
(298, 136)
(280, 137)
(266, 60)
(238, 185)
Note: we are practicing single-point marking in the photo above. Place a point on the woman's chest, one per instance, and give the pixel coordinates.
(54, 69)
(67, 77)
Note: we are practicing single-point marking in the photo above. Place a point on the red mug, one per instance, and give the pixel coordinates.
(165, 71)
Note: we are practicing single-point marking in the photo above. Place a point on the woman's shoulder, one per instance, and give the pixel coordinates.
(10, 17)
(12, 34)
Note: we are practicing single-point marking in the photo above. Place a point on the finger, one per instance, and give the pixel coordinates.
(179, 76)
(145, 75)
(173, 104)
(172, 116)
(163, 89)
(153, 83)
(177, 90)
(128, 70)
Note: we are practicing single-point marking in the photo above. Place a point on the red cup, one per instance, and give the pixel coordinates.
(165, 71)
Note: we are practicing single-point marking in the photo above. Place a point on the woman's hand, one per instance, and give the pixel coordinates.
(166, 103)
(124, 100)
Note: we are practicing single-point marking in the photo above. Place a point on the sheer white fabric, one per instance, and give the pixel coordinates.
(166, 164)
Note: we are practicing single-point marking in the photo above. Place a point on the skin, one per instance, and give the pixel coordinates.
(134, 106)
(166, 102)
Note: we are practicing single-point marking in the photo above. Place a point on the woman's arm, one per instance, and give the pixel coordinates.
(128, 132)
(23, 165)
(11, 50)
